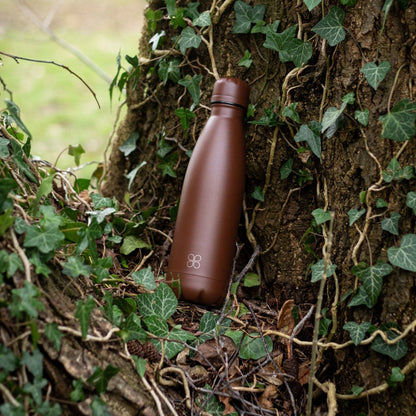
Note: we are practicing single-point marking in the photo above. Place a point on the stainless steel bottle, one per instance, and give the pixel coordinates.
(203, 246)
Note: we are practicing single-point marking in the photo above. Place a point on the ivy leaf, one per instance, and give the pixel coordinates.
(395, 172)
(311, 4)
(391, 224)
(310, 134)
(83, 314)
(318, 270)
(375, 74)
(246, 15)
(395, 351)
(100, 378)
(131, 243)
(129, 145)
(203, 20)
(405, 255)
(257, 194)
(286, 169)
(140, 365)
(357, 331)
(145, 278)
(332, 114)
(330, 27)
(411, 201)
(132, 174)
(185, 116)
(251, 280)
(246, 60)
(372, 278)
(362, 116)
(76, 151)
(34, 363)
(98, 407)
(290, 112)
(189, 39)
(169, 70)
(361, 298)
(162, 302)
(321, 216)
(74, 267)
(278, 41)
(25, 300)
(396, 377)
(399, 124)
(252, 346)
(208, 322)
(354, 215)
(300, 52)
(156, 38)
(54, 334)
(77, 394)
(192, 85)
(45, 239)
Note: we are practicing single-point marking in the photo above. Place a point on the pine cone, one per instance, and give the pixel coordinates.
(144, 350)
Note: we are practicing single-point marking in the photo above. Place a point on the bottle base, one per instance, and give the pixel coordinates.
(197, 289)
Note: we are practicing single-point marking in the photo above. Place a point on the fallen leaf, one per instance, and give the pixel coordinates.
(270, 392)
(285, 319)
(210, 353)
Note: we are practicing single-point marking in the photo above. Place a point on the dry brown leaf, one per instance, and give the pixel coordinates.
(211, 351)
(304, 372)
(269, 372)
(285, 320)
(270, 392)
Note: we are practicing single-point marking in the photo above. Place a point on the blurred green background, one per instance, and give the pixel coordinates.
(56, 107)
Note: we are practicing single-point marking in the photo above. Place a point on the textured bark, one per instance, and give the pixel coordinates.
(346, 168)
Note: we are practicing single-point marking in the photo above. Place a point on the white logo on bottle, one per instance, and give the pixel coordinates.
(194, 261)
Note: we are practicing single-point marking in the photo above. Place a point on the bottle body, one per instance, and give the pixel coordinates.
(206, 228)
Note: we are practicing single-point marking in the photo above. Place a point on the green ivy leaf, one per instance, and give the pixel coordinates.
(207, 325)
(286, 169)
(399, 123)
(375, 74)
(391, 224)
(355, 214)
(252, 346)
(290, 112)
(318, 270)
(330, 27)
(24, 300)
(311, 4)
(321, 216)
(362, 116)
(185, 116)
(34, 363)
(131, 243)
(257, 194)
(98, 407)
(54, 334)
(100, 378)
(405, 255)
(45, 188)
(74, 267)
(162, 302)
(246, 60)
(169, 70)
(154, 41)
(76, 151)
(251, 280)
(129, 145)
(45, 239)
(246, 15)
(278, 41)
(145, 278)
(310, 134)
(332, 114)
(396, 377)
(83, 314)
(132, 174)
(203, 20)
(395, 351)
(192, 85)
(411, 201)
(140, 365)
(372, 278)
(6, 221)
(77, 394)
(357, 331)
(381, 203)
(189, 39)
(361, 298)
(395, 172)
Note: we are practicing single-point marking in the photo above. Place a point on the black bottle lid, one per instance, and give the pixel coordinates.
(232, 91)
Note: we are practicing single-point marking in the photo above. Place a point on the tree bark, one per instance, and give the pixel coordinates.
(348, 174)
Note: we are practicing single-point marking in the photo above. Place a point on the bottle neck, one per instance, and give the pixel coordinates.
(227, 110)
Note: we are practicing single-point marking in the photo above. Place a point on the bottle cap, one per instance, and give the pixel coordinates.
(232, 91)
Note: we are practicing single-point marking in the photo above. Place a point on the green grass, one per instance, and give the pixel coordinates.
(58, 108)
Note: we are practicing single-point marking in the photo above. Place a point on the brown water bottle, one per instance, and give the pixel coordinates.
(206, 228)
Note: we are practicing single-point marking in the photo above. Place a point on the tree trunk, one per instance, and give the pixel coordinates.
(347, 175)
